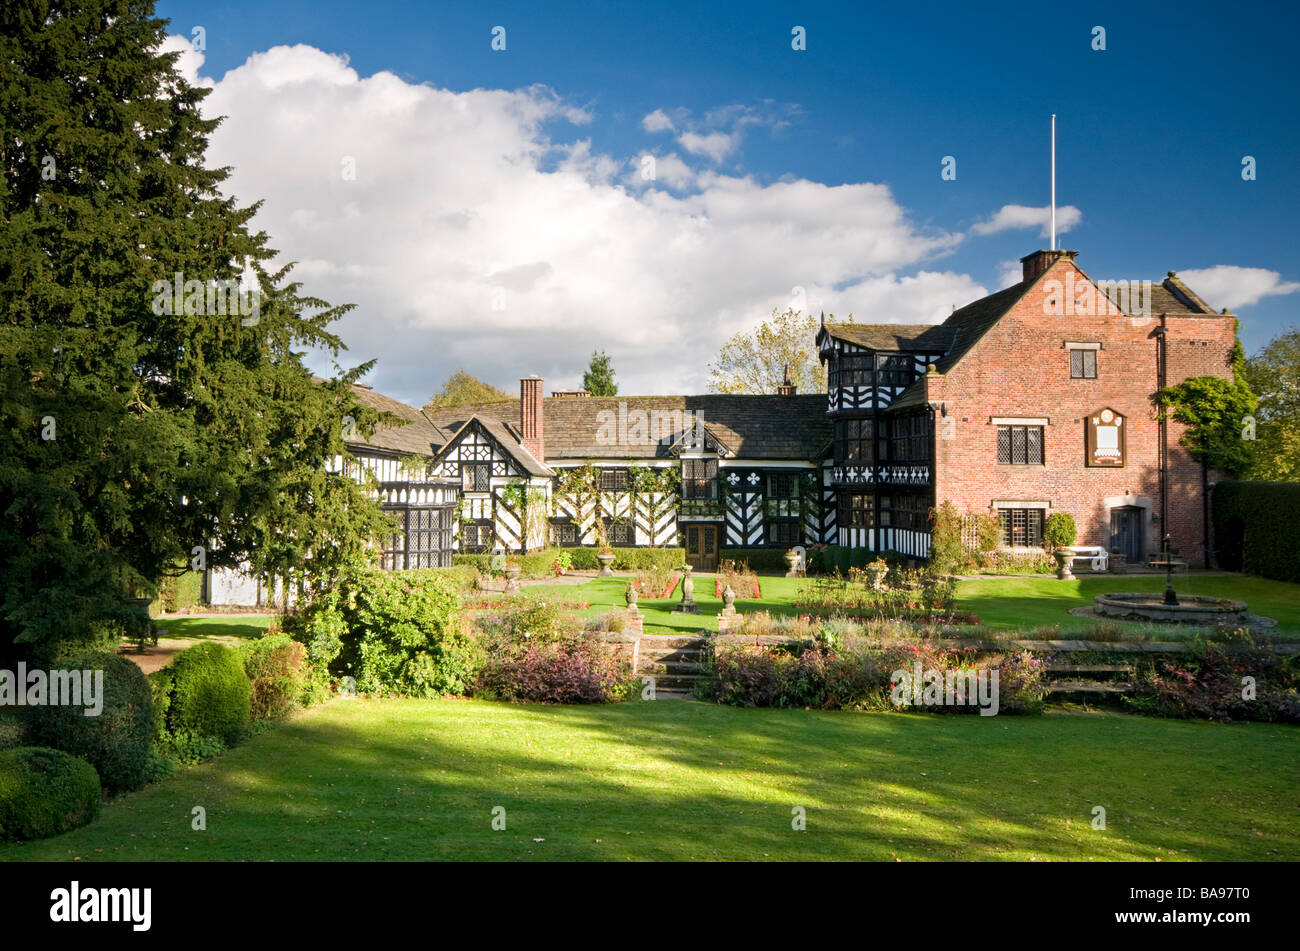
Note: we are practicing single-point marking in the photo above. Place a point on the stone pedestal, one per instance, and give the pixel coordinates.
(687, 605)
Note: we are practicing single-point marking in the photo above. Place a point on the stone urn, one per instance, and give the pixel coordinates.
(606, 558)
(792, 564)
(1064, 559)
(728, 600)
(512, 579)
(630, 596)
(688, 605)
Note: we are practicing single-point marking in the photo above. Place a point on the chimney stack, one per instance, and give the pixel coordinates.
(1037, 262)
(531, 420)
(786, 388)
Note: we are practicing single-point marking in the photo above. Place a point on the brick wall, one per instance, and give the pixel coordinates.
(1021, 368)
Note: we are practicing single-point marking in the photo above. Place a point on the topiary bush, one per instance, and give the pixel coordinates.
(210, 694)
(44, 792)
(278, 675)
(1059, 530)
(116, 741)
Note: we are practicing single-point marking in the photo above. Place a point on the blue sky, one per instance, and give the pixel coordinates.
(1151, 131)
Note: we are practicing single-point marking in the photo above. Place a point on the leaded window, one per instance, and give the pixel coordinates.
(1083, 364)
(699, 478)
(1020, 445)
(1021, 528)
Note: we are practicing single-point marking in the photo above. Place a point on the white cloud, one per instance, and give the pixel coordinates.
(657, 121)
(714, 145)
(1017, 217)
(669, 170)
(1230, 286)
(470, 237)
(1010, 273)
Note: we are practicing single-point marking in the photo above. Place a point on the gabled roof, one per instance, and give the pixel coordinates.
(1172, 297)
(908, 337)
(968, 324)
(418, 435)
(506, 437)
(751, 427)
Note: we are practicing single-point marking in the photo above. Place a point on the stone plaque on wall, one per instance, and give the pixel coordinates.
(1105, 439)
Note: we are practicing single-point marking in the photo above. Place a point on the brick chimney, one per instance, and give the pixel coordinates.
(1036, 263)
(786, 388)
(531, 414)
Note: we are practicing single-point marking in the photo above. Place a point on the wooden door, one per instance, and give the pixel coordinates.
(702, 546)
(1126, 533)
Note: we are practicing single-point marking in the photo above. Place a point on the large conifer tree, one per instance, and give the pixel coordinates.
(132, 432)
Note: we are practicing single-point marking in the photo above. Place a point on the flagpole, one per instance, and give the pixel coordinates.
(1053, 181)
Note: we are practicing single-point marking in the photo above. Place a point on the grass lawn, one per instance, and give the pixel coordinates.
(1023, 603)
(418, 779)
(226, 625)
(606, 593)
(1002, 603)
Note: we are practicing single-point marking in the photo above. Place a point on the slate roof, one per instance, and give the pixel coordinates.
(891, 336)
(751, 427)
(1171, 296)
(417, 435)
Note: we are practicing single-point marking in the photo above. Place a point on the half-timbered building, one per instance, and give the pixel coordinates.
(1034, 399)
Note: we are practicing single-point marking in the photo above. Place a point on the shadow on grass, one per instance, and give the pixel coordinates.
(417, 780)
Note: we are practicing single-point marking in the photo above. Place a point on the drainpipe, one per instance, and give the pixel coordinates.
(1162, 344)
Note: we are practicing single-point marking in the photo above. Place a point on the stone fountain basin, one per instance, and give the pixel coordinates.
(1190, 609)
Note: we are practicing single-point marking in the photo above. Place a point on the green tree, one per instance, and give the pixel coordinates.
(755, 362)
(145, 424)
(1216, 412)
(462, 388)
(599, 378)
(1274, 376)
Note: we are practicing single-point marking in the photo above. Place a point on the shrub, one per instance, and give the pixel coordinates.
(210, 693)
(582, 669)
(396, 632)
(12, 731)
(410, 639)
(181, 592)
(1255, 527)
(44, 792)
(116, 742)
(1059, 530)
(847, 672)
(1209, 684)
(526, 617)
(278, 676)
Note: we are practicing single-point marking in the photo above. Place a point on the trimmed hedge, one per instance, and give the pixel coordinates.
(181, 592)
(44, 792)
(1256, 527)
(760, 560)
(116, 742)
(537, 564)
(278, 675)
(210, 694)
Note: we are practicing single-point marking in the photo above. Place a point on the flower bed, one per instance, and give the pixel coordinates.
(743, 581)
(655, 583)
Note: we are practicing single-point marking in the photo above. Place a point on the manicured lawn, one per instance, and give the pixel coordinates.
(418, 779)
(1003, 603)
(605, 593)
(1023, 603)
(232, 625)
